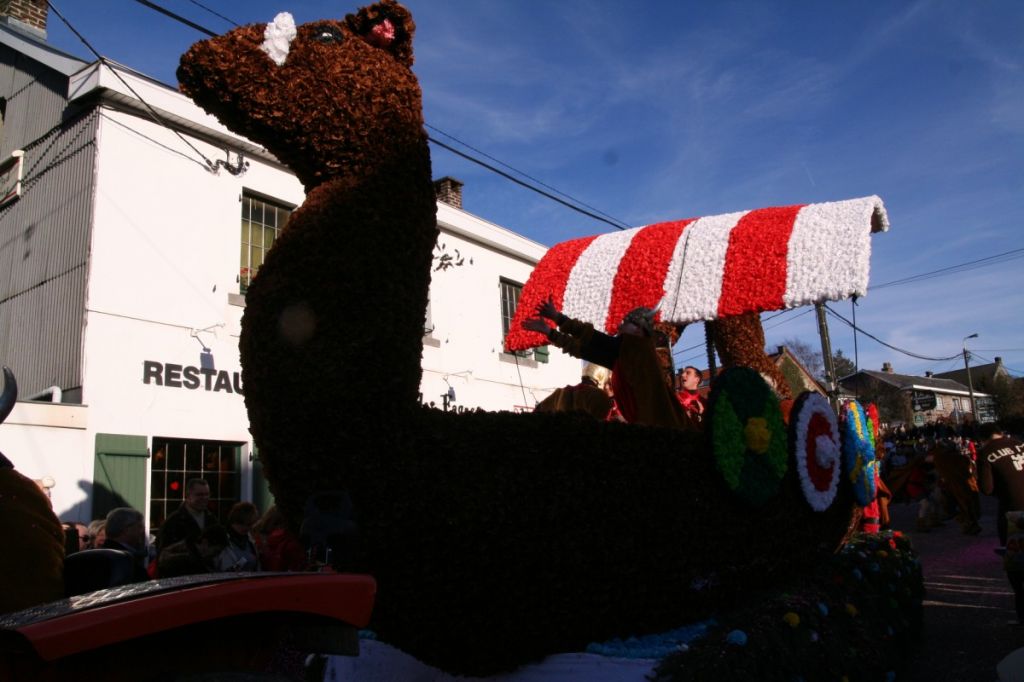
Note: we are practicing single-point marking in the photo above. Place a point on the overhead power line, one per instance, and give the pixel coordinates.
(213, 12)
(527, 185)
(992, 362)
(568, 202)
(529, 177)
(168, 13)
(952, 269)
(210, 165)
(888, 345)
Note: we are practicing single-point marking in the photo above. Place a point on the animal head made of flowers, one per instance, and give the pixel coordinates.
(328, 98)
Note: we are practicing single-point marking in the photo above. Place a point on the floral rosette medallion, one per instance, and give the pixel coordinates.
(748, 435)
(858, 452)
(814, 437)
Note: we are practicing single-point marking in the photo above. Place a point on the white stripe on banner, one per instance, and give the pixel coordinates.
(588, 292)
(829, 256)
(694, 280)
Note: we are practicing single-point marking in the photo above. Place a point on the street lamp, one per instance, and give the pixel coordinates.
(970, 384)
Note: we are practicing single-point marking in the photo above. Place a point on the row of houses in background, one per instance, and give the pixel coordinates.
(123, 267)
(945, 397)
(904, 398)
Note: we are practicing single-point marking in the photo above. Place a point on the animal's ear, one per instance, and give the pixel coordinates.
(385, 25)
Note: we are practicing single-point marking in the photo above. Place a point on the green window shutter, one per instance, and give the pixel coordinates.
(261, 495)
(119, 473)
(541, 353)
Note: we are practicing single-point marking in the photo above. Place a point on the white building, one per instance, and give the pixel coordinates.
(124, 269)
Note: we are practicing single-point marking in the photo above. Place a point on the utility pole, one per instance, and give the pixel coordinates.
(970, 384)
(826, 353)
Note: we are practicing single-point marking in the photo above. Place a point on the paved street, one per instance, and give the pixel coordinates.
(968, 601)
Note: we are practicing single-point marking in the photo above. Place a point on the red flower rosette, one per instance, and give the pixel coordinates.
(816, 447)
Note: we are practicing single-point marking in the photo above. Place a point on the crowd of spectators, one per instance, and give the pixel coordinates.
(192, 540)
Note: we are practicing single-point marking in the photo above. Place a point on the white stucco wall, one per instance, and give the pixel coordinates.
(466, 316)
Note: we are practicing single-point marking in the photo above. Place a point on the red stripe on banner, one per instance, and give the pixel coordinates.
(548, 279)
(640, 279)
(755, 262)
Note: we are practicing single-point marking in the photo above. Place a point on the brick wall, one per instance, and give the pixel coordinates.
(30, 12)
(449, 190)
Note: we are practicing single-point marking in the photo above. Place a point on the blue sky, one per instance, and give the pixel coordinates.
(666, 110)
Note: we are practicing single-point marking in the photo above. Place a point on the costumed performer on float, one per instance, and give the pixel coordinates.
(638, 383)
(689, 394)
(588, 396)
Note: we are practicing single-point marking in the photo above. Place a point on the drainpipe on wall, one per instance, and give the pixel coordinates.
(55, 393)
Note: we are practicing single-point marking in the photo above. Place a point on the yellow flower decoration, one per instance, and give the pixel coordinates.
(792, 618)
(856, 471)
(757, 435)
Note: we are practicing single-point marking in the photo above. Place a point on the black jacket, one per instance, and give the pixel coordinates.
(181, 526)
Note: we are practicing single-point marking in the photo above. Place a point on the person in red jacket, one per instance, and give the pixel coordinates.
(688, 395)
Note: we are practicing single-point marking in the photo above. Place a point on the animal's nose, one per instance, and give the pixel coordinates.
(278, 37)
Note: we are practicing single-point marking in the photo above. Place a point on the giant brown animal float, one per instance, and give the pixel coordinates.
(498, 538)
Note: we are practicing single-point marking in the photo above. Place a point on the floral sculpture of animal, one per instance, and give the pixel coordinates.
(495, 538)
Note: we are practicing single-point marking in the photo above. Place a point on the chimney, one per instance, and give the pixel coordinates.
(449, 190)
(782, 350)
(928, 375)
(999, 361)
(25, 16)
(887, 367)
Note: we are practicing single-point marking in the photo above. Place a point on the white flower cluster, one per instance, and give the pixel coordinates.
(588, 292)
(829, 255)
(278, 37)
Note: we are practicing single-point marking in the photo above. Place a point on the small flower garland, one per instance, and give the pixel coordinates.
(748, 435)
(858, 454)
(816, 446)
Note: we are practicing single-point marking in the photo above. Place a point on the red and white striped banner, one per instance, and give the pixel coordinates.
(705, 268)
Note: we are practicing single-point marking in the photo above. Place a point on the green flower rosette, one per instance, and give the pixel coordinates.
(748, 435)
(858, 452)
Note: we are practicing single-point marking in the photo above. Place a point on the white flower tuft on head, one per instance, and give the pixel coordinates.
(278, 37)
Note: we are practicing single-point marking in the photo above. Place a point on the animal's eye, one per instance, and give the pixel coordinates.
(328, 36)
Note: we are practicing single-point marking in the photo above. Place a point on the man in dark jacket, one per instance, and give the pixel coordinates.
(191, 518)
(126, 531)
